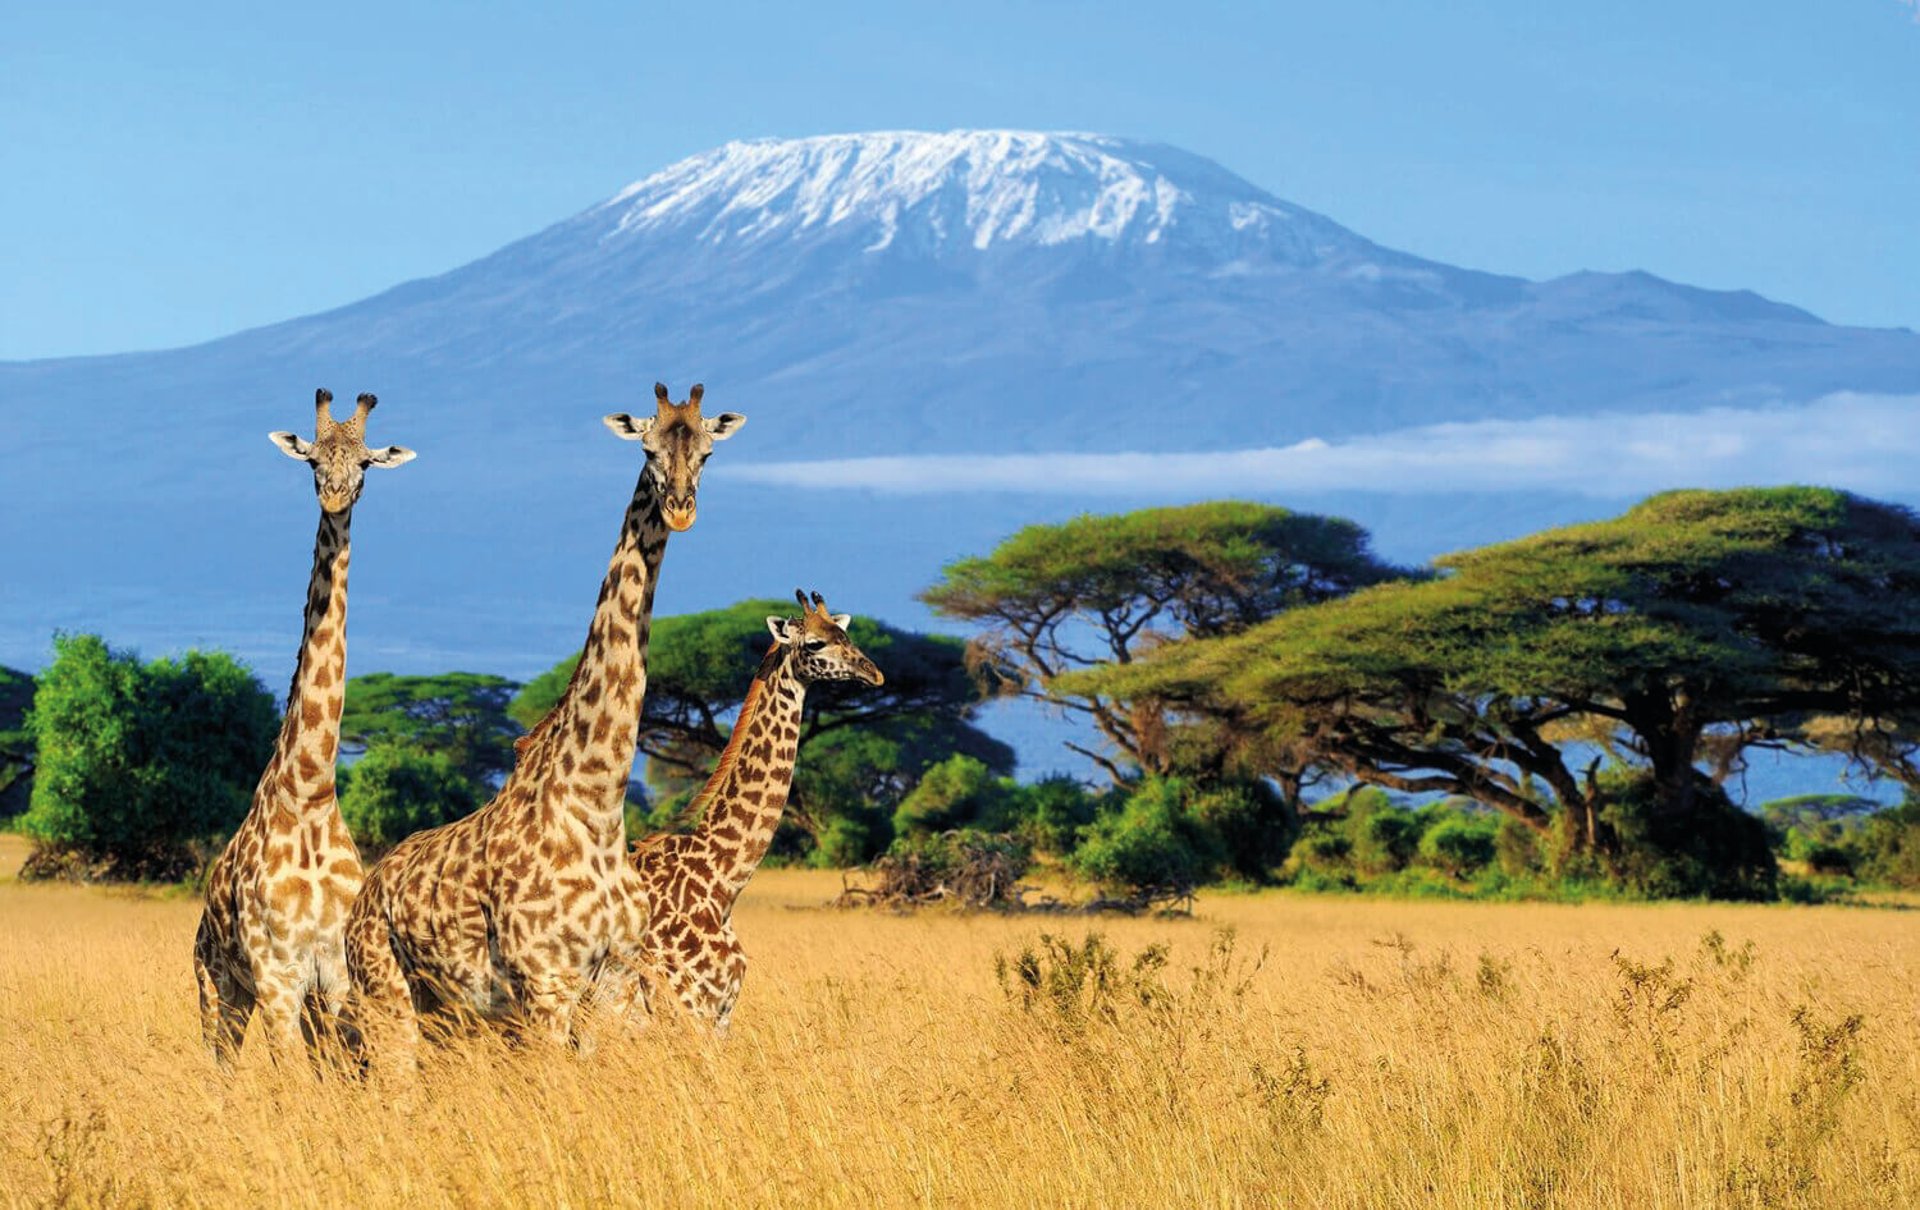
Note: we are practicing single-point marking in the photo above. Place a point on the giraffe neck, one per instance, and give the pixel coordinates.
(596, 723)
(748, 790)
(310, 734)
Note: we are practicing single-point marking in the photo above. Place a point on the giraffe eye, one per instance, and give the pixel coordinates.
(816, 644)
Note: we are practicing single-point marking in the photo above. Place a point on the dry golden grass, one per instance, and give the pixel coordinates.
(1386, 1054)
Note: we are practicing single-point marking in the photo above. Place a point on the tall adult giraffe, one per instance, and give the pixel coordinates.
(692, 880)
(277, 896)
(510, 911)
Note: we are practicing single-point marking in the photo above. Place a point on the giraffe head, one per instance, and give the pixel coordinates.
(677, 439)
(821, 649)
(338, 452)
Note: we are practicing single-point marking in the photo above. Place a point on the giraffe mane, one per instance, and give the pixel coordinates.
(730, 755)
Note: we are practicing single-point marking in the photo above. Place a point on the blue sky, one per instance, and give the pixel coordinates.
(173, 177)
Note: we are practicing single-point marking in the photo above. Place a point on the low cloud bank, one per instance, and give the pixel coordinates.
(1866, 443)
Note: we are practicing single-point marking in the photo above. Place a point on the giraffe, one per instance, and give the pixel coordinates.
(277, 896)
(692, 879)
(508, 912)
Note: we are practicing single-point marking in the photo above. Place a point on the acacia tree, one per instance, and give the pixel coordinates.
(861, 748)
(1692, 627)
(462, 715)
(1099, 590)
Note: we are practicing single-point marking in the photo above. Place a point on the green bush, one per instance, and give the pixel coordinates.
(1325, 852)
(1050, 813)
(959, 791)
(1152, 840)
(847, 840)
(1384, 841)
(396, 790)
(1889, 847)
(1517, 849)
(1253, 825)
(1717, 850)
(1460, 845)
(16, 744)
(137, 766)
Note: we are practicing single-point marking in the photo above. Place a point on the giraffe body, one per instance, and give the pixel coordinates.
(510, 912)
(692, 880)
(270, 936)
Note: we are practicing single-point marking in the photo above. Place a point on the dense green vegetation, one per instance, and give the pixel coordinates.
(138, 764)
(1596, 684)
(16, 744)
(461, 715)
(1556, 716)
(398, 789)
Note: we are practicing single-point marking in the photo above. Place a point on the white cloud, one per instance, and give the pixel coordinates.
(1868, 443)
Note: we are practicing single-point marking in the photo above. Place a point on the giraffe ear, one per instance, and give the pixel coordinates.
(841, 619)
(393, 455)
(626, 427)
(781, 628)
(291, 445)
(723, 426)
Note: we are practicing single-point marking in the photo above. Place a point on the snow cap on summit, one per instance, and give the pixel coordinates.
(970, 188)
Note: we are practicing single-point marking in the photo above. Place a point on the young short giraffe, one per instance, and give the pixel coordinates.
(510, 911)
(277, 897)
(693, 879)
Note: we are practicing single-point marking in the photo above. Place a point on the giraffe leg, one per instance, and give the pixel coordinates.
(328, 1031)
(225, 1001)
(281, 1000)
(733, 973)
(381, 1012)
(547, 1005)
(614, 1003)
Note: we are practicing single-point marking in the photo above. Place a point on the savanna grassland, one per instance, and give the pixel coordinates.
(1383, 1054)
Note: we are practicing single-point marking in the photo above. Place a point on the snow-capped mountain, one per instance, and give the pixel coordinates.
(899, 295)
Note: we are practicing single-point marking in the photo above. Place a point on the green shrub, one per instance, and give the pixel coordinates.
(138, 766)
(1384, 840)
(1050, 813)
(1251, 822)
(1716, 850)
(1517, 849)
(396, 790)
(1460, 845)
(1889, 847)
(957, 792)
(848, 840)
(1151, 841)
(1325, 852)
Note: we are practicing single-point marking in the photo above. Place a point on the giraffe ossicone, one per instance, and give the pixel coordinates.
(271, 933)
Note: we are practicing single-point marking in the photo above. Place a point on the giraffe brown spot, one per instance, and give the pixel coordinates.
(323, 678)
(310, 713)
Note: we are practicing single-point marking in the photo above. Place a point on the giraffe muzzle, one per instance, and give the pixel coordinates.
(678, 514)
